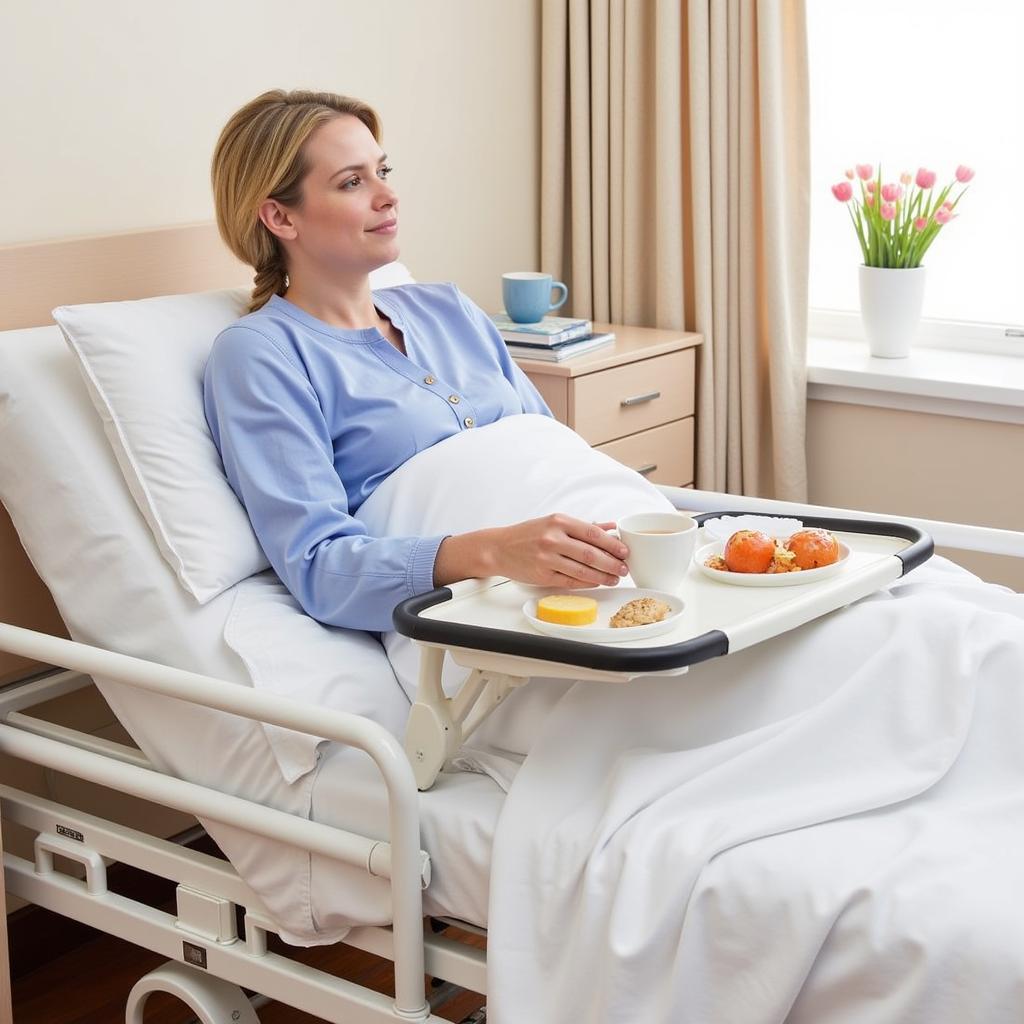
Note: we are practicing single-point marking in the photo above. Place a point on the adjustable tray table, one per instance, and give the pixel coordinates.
(481, 624)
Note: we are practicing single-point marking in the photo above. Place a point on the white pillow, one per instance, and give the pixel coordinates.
(143, 362)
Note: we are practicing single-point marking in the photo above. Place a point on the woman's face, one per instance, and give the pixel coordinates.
(348, 220)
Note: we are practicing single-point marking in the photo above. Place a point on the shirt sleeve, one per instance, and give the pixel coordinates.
(529, 396)
(279, 458)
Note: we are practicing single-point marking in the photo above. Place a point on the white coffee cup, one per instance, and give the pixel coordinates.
(660, 547)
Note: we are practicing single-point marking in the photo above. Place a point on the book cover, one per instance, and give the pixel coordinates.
(550, 330)
(542, 346)
(556, 353)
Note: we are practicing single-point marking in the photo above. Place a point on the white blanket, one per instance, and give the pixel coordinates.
(826, 827)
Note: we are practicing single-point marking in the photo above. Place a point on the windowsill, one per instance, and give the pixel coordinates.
(946, 382)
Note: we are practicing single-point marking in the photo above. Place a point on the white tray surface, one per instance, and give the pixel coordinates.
(709, 605)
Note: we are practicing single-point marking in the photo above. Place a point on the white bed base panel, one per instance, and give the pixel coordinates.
(115, 842)
(247, 963)
(197, 872)
(400, 860)
(274, 976)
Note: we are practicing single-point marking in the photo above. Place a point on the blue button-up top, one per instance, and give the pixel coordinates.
(310, 418)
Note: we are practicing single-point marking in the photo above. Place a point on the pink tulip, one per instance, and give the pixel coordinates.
(871, 186)
(843, 191)
(925, 179)
(947, 205)
(870, 200)
(964, 174)
(889, 211)
(890, 193)
(849, 173)
(942, 215)
(905, 178)
(864, 171)
(921, 223)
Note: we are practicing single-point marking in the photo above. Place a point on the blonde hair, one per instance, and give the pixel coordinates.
(261, 155)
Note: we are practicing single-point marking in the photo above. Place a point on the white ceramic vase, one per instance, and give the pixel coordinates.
(890, 308)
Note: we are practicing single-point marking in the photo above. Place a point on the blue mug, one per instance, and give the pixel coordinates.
(528, 296)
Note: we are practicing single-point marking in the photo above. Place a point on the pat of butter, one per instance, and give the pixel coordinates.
(567, 610)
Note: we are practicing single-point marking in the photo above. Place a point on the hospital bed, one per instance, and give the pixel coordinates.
(410, 864)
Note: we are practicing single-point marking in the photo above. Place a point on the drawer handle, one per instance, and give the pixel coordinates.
(640, 399)
(649, 468)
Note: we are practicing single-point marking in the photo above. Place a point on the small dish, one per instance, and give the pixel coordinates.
(609, 601)
(764, 579)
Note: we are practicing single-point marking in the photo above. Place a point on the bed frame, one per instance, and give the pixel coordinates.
(208, 963)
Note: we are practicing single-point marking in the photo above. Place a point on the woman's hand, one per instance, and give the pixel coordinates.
(553, 551)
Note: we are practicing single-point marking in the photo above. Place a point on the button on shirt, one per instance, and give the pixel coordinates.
(309, 419)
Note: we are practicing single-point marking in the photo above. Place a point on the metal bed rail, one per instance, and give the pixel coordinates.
(400, 860)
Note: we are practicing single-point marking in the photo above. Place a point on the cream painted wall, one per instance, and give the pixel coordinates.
(917, 464)
(112, 108)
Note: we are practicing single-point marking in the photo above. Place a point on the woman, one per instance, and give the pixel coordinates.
(325, 388)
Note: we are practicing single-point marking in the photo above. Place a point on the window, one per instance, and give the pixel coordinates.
(934, 85)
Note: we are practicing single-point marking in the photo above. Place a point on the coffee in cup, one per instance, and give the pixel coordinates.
(660, 547)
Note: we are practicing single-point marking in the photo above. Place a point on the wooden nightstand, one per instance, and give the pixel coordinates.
(634, 400)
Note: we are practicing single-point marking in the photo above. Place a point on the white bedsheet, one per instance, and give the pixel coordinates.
(458, 818)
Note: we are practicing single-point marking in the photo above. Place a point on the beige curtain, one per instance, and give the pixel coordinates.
(674, 193)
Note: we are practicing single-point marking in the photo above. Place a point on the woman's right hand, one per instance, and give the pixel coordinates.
(553, 551)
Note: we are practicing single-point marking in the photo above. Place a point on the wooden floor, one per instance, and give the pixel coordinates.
(91, 984)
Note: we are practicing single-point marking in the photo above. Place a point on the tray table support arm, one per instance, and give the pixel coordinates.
(438, 725)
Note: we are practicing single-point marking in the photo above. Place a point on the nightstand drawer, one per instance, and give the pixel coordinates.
(627, 399)
(663, 454)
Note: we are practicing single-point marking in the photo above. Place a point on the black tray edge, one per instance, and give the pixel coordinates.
(715, 643)
(407, 621)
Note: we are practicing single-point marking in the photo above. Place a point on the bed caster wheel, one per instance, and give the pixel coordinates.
(212, 1000)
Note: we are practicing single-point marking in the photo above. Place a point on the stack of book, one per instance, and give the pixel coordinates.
(552, 339)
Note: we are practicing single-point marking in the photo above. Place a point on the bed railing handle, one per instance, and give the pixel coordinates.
(45, 846)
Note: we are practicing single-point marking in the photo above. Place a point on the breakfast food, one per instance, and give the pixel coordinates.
(749, 551)
(640, 612)
(567, 610)
(783, 560)
(813, 548)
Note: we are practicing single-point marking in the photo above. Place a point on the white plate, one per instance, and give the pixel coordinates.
(764, 579)
(723, 527)
(609, 601)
